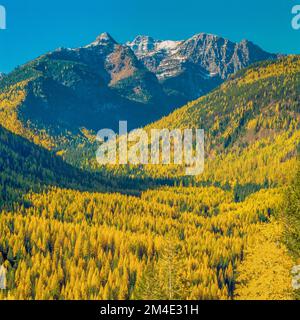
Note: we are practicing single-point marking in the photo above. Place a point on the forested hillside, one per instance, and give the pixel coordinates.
(251, 128)
(27, 167)
(230, 233)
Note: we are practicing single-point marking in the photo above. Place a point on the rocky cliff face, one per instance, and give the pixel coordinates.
(192, 67)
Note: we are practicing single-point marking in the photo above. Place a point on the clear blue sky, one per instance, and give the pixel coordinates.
(38, 26)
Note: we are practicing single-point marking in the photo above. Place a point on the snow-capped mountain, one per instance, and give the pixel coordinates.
(196, 65)
(100, 83)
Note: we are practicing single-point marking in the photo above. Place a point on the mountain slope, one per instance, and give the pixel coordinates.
(92, 87)
(88, 245)
(53, 98)
(251, 123)
(266, 92)
(26, 167)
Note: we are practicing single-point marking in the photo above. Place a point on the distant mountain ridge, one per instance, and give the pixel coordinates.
(196, 65)
(97, 85)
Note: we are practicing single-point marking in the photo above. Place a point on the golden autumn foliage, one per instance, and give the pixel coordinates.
(226, 239)
(251, 126)
(10, 102)
(78, 245)
(265, 273)
(290, 65)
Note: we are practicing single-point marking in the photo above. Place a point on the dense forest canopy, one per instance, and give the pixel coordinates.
(70, 229)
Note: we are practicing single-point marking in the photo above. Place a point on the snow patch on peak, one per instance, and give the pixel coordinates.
(103, 39)
(142, 45)
(146, 45)
(168, 45)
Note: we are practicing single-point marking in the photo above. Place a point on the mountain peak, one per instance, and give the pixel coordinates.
(103, 39)
(142, 44)
(105, 36)
(206, 38)
(205, 35)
